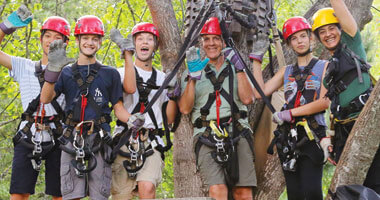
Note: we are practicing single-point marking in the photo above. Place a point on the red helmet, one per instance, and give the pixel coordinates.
(89, 24)
(211, 27)
(294, 25)
(145, 27)
(57, 24)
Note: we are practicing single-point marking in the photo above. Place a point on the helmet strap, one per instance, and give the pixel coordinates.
(304, 53)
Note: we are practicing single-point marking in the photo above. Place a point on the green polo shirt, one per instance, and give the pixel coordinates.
(203, 88)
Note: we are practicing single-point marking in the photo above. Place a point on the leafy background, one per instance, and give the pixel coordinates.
(123, 15)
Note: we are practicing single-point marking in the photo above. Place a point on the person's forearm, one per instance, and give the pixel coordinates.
(5, 59)
(129, 82)
(47, 92)
(171, 111)
(120, 112)
(186, 102)
(245, 89)
(311, 108)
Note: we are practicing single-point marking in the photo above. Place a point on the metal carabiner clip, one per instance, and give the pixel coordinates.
(80, 142)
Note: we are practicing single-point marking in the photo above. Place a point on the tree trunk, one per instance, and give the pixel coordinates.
(187, 181)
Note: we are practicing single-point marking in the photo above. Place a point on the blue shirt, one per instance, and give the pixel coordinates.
(106, 88)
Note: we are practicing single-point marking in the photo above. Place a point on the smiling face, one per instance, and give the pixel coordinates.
(48, 37)
(145, 44)
(89, 44)
(212, 46)
(329, 35)
(300, 42)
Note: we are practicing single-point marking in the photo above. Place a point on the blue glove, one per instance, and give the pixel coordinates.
(231, 56)
(20, 18)
(194, 63)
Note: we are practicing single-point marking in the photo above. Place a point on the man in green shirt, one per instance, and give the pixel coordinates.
(222, 137)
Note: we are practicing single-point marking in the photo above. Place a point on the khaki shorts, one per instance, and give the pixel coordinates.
(213, 173)
(99, 179)
(123, 187)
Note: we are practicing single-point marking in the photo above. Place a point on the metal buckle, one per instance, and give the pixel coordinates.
(361, 100)
(36, 164)
(37, 144)
(290, 165)
(89, 132)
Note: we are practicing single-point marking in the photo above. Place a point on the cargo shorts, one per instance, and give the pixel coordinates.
(98, 183)
(212, 173)
(124, 187)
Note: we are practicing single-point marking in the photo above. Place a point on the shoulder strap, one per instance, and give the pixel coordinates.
(144, 89)
(84, 86)
(300, 78)
(32, 107)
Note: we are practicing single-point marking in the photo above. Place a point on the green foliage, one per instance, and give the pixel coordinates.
(122, 15)
(113, 13)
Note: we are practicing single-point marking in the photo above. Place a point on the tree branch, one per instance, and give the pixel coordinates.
(28, 35)
(142, 15)
(117, 25)
(5, 172)
(2, 7)
(132, 11)
(14, 98)
(7, 122)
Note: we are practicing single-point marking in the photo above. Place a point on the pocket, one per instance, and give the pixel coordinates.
(106, 182)
(67, 184)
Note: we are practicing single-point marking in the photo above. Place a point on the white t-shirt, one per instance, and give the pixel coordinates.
(23, 73)
(131, 100)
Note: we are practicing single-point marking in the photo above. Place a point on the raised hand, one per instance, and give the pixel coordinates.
(259, 46)
(125, 44)
(19, 18)
(231, 56)
(56, 60)
(194, 63)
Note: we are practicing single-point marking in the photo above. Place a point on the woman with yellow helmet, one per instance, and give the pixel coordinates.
(347, 77)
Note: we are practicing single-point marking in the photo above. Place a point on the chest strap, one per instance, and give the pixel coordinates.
(301, 77)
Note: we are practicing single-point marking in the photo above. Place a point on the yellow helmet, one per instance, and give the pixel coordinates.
(323, 17)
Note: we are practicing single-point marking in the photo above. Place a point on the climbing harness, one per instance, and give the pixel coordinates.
(287, 136)
(86, 136)
(34, 141)
(140, 144)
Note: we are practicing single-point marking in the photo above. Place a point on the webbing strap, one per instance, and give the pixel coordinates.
(301, 78)
(189, 41)
(144, 90)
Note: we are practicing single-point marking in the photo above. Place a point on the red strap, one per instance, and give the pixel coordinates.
(83, 107)
(218, 103)
(43, 112)
(142, 107)
(298, 99)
